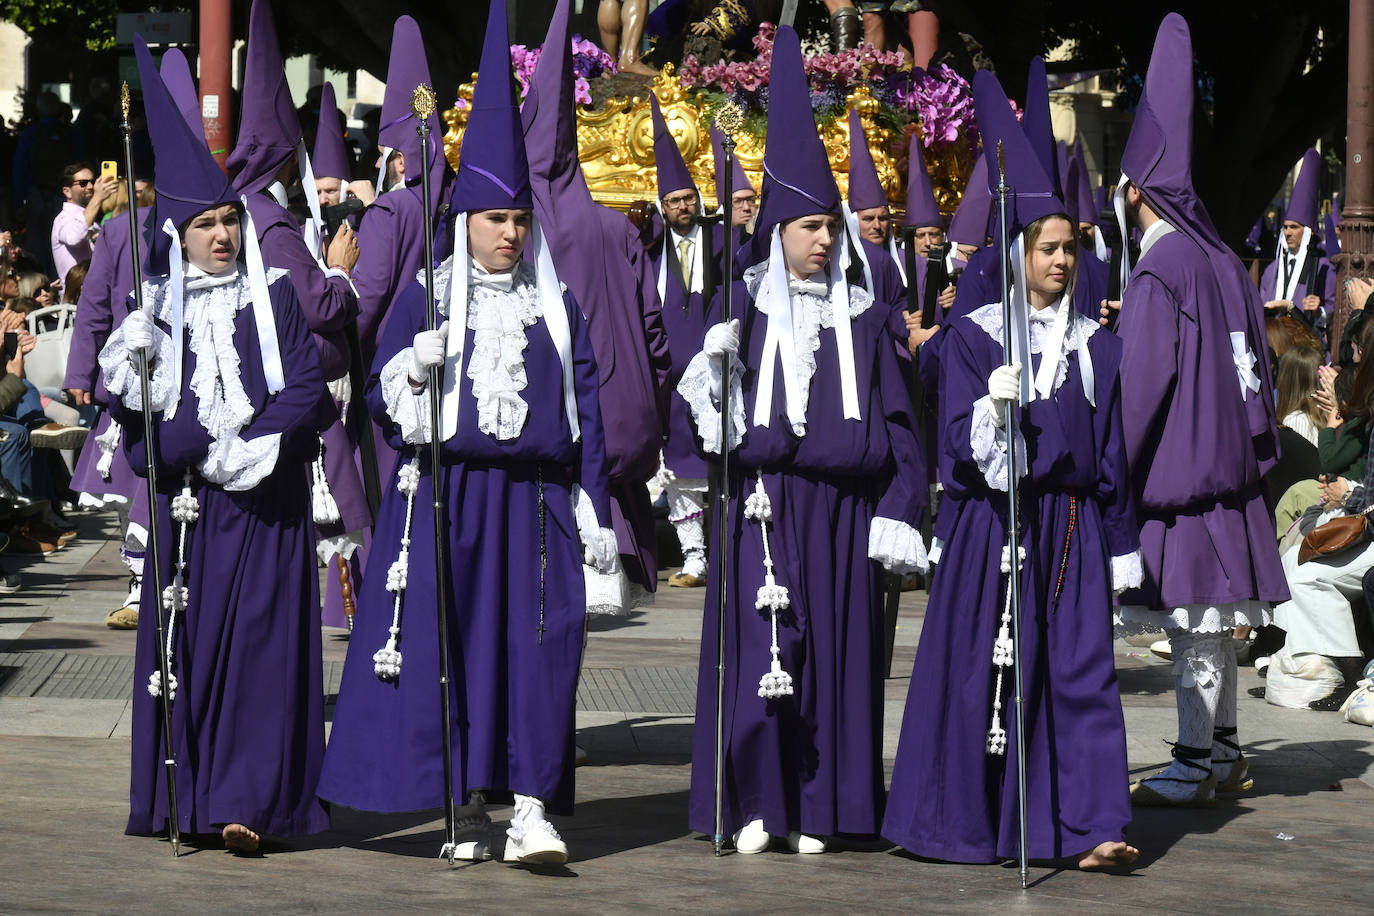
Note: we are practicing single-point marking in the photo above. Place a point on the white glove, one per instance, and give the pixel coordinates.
(1004, 385)
(427, 351)
(138, 331)
(721, 339)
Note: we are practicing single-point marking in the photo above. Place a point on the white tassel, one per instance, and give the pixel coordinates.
(176, 597)
(771, 596)
(324, 509)
(1003, 656)
(386, 661)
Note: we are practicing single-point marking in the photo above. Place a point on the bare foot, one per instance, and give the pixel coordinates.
(636, 66)
(1106, 855)
(239, 839)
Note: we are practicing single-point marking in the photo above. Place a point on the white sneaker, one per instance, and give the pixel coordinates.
(535, 843)
(1160, 649)
(751, 838)
(471, 851)
(800, 843)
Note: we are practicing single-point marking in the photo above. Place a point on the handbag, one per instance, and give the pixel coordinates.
(1335, 537)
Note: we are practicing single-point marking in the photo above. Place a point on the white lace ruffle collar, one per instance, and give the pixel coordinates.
(1080, 328)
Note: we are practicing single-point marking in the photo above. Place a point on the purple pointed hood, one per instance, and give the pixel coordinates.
(865, 190)
(668, 162)
(921, 209)
(1062, 163)
(969, 226)
(269, 129)
(796, 170)
(1036, 122)
(187, 178)
(1302, 203)
(739, 179)
(176, 76)
(492, 170)
(407, 69)
(1033, 191)
(1157, 158)
(1331, 242)
(330, 159)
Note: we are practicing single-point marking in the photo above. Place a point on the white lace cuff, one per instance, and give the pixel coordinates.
(118, 365)
(407, 406)
(1128, 571)
(241, 464)
(700, 387)
(989, 444)
(601, 548)
(898, 546)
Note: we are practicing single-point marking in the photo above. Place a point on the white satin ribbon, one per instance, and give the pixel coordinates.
(780, 341)
(1119, 205)
(1287, 291)
(1245, 361)
(1100, 245)
(553, 311)
(262, 305)
(1020, 321)
(175, 305)
(851, 225)
(313, 230)
(897, 255)
(1053, 348)
(381, 172)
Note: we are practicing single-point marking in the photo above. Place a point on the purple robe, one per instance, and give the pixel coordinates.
(109, 280)
(811, 761)
(329, 306)
(1205, 534)
(597, 253)
(950, 799)
(1324, 285)
(684, 318)
(513, 687)
(248, 718)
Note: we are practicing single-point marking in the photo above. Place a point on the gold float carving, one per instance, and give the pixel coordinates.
(615, 146)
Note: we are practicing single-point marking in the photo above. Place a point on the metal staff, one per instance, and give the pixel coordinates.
(154, 555)
(422, 104)
(728, 119)
(1013, 521)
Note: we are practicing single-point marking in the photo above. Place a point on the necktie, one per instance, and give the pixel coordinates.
(684, 263)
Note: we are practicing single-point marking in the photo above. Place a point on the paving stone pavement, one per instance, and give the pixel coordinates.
(64, 746)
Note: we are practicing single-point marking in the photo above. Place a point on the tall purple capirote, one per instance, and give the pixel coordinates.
(187, 177)
(329, 158)
(969, 226)
(1157, 159)
(269, 129)
(865, 190)
(1033, 192)
(1302, 203)
(921, 209)
(668, 162)
(797, 180)
(1036, 122)
(407, 69)
(739, 178)
(493, 172)
(176, 76)
(1087, 204)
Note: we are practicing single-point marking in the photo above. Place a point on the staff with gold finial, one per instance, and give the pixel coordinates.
(1013, 564)
(153, 560)
(422, 103)
(728, 119)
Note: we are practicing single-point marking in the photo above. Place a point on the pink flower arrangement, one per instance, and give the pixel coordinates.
(588, 62)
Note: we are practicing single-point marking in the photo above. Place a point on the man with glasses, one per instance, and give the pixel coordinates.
(687, 265)
(75, 228)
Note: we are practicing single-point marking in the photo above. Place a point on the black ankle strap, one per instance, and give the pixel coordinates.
(1223, 737)
(1188, 756)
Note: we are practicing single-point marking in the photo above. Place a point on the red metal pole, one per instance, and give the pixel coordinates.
(216, 70)
(1357, 214)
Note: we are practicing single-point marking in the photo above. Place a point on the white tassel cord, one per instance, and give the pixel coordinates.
(175, 597)
(386, 661)
(771, 596)
(1003, 656)
(325, 509)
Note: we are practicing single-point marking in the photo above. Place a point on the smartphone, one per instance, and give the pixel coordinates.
(109, 169)
(11, 346)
